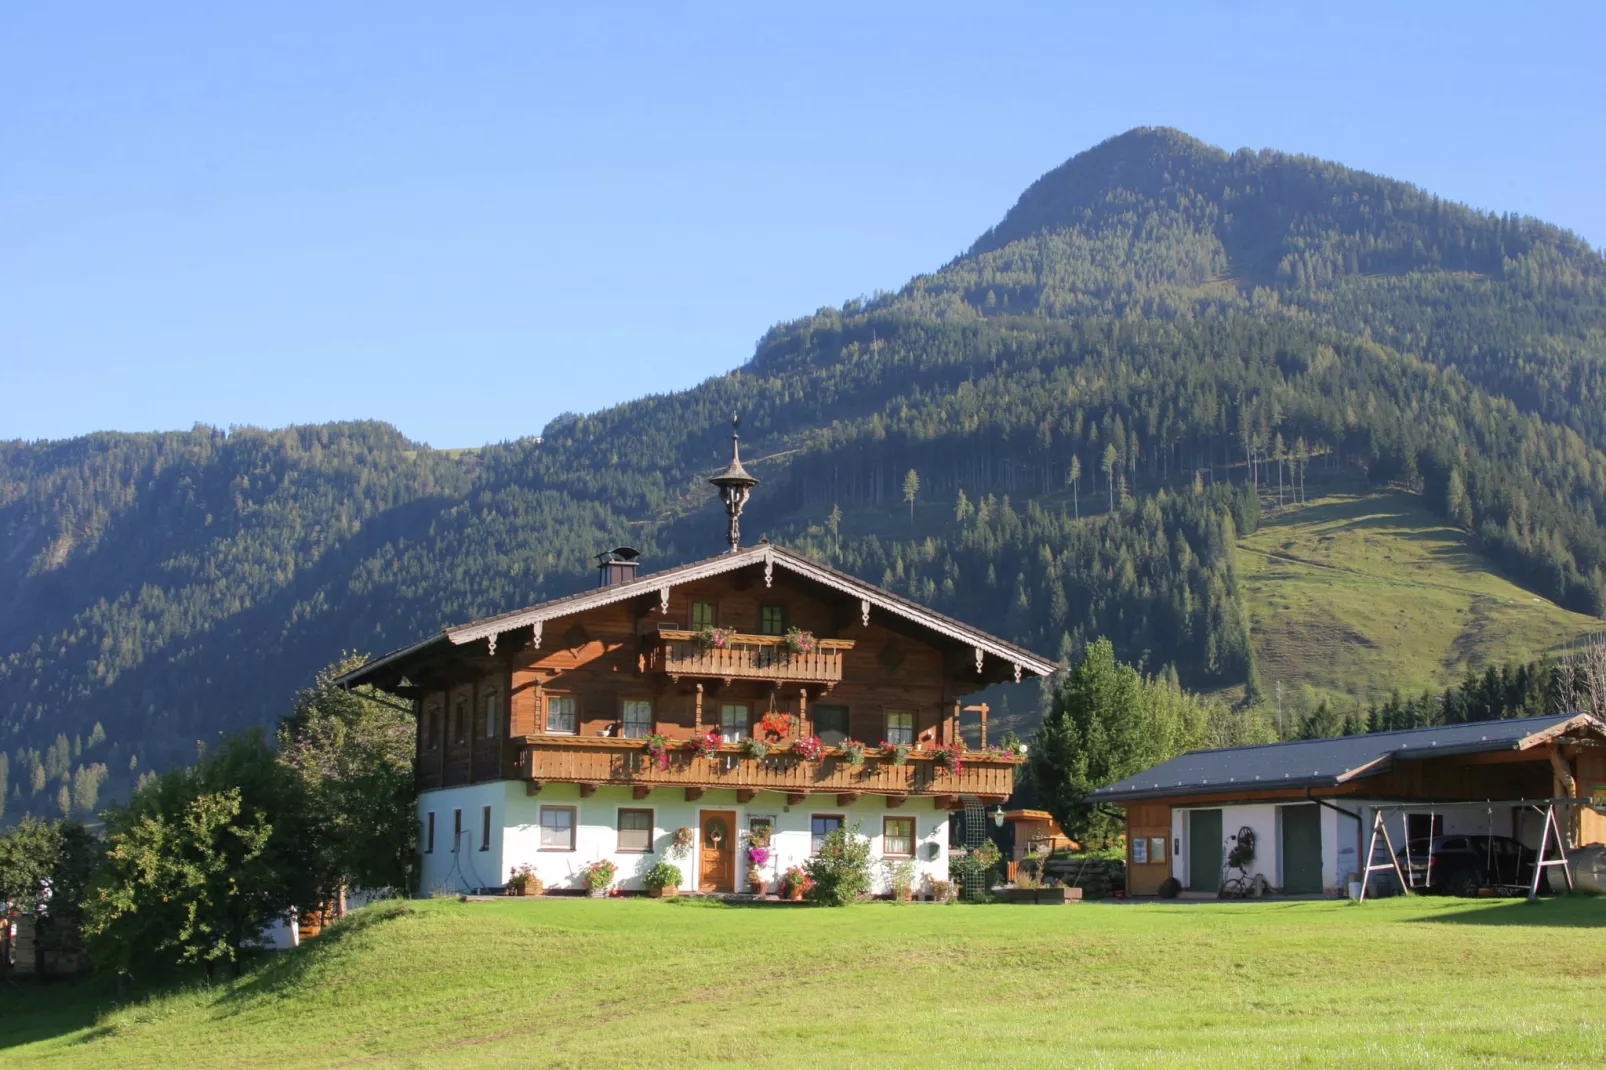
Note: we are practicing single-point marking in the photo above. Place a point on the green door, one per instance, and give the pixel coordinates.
(1302, 850)
(1204, 850)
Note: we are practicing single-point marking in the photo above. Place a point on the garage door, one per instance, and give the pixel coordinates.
(1302, 849)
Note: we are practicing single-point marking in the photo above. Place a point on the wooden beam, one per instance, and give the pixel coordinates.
(641, 791)
(895, 801)
(795, 798)
(846, 798)
(945, 802)
(1505, 757)
(587, 790)
(745, 795)
(693, 794)
(533, 787)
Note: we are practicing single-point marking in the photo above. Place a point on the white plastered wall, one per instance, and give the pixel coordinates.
(516, 834)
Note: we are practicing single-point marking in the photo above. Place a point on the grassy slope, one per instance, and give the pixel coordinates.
(578, 983)
(1362, 591)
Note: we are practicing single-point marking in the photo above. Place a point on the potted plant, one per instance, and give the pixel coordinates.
(662, 881)
(795, 882)
(951, 756)
(525, 882)
(757, 858)
(774, 726)
(712, 638)
(658, 750)
(852, 752)
(753, 747)
(755, 880)
(903, 880)
(942, 891)
(707, 745)
(809, 748)
(897, 753)
(799, 641)
(599, 878)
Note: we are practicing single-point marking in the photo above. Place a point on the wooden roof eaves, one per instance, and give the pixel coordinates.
(769, 556)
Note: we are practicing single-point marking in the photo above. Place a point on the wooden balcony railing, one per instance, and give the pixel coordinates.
(602, 760)
(746, 657)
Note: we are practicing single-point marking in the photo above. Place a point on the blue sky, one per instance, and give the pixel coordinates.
(466, 222)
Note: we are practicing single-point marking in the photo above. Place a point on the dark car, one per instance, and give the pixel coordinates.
(1460, 865)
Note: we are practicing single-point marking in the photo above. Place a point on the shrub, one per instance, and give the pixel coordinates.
(841, 871)
(599, 875)
(663, 875)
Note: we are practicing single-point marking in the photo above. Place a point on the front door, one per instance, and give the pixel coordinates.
(1302, 850)
(1204, 851)
(717, 869)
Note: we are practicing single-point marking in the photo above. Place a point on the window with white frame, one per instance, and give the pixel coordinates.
(562, 714)
(901, 726)
(637, 717)
(732, 722)
(557, 828)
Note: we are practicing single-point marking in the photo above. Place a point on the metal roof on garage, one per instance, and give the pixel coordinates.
(1330, 762)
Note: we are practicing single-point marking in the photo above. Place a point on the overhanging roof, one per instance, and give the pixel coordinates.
(659, 583)
(1315, 763)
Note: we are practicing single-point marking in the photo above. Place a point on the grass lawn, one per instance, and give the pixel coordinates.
(523, 983)
(1374, 588)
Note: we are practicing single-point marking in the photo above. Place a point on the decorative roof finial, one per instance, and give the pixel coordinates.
(735, 486)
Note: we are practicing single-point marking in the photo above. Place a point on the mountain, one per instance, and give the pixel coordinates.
(1209, 337)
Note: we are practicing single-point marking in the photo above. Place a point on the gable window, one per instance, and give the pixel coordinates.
(831, 724)
(820, 826)
(635, 831)
(732, 722)
(898, 837)
(490, 716)
(901, 726)
(429, 833)
(485, 828)
(557, 828)
(772, 621)
(702, 615)
(637, 717)
(460, 721)
(562, 714)
(457, 829)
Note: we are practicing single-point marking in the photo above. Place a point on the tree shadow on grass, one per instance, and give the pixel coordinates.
(285, 971)
(1562, 912)
(32, 1011)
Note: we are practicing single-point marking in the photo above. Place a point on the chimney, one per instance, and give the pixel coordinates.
(617, 566)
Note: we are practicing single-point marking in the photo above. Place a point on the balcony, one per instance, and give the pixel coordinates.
(592, 762)
(745, 657)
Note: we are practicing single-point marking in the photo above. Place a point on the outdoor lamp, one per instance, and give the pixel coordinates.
(998, 817)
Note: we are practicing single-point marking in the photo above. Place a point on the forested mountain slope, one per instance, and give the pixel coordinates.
(1196, 336)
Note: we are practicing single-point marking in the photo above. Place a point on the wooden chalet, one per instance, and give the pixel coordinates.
(563, 734)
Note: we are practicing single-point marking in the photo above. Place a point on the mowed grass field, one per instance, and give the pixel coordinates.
(576, 983)
(1361, 594)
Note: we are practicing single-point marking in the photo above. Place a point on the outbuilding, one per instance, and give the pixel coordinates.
(1310, 806)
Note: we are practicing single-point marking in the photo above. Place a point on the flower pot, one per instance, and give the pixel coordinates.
(795, 896)
(597, 893)
(663, 893)
(756, 887)
(517, 889)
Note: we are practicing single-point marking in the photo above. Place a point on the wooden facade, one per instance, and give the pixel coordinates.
(571, 700)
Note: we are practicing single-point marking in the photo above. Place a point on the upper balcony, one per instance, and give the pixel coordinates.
(595, 761)
(678, 652)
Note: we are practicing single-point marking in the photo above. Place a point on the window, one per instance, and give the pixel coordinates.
(429, 833)
(901, 726)
(635, 831)
(457, 829)
(432, 728)
(1140, 850)
(460, 721)
(702, 615)
(562, 714)
(831, 724)
(490, 716)
(772, 621)
(485, 828)
(637, 718)
(761, 828)
(821, 825)
(1156, 848)
(557, 828)
(732, 722)
(898, 837)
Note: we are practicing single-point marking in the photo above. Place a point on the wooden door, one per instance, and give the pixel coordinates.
(1204, 851)
(716, 871)
(1302, 850)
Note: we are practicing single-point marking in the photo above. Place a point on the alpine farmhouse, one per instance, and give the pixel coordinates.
(598, 725)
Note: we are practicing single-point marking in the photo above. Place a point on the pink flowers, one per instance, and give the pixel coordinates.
(707, 744)
(759, 856)
(809, 748)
